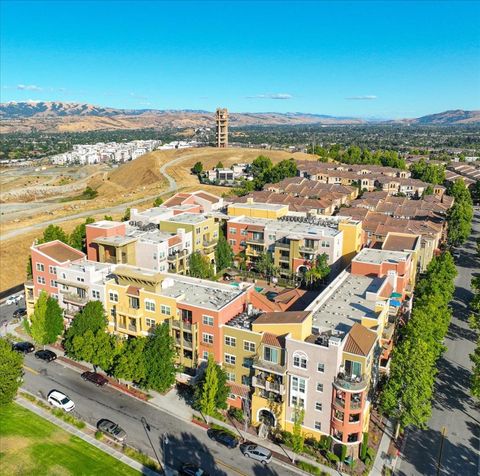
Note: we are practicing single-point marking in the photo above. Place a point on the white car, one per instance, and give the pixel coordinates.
(60, 400)
(11, 300)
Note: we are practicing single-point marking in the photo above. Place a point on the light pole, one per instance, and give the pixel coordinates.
(164, 446)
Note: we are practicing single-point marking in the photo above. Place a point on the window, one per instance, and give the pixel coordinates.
(318, 406)
(150, 305)
(246, 380)
(54, 296)
(249, 346)
(205, 355)
(165, 310)
(319, 387)
(80, 280)
(270, 354)
(53, 283)
(113, 296)
(52, 269)
(271, 237)
(243, 232)
(113, 311)
(243, 243)
(298, 384)
(205, 228)
(155, 256)
(150, 322)
(230, 359)
(231, 341)
(40, 280)
(320, 367)
(318, 426)
(231, 376)
(198, 230)
(232, 242)
(207, 338)
(95, 294)
(207, 320)
(232, 231)
(64, 276)
(40, 267)
(353, 368)
(300, 361)
(297, 402)
(247, 362)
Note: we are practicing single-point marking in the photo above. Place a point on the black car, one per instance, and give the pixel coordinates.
(223, 437)
(112, 429)
(46, 355)
(20, 312)
(97, 379)
(192, 470)
(25, 347)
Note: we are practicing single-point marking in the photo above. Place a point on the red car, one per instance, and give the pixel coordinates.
(97, 379)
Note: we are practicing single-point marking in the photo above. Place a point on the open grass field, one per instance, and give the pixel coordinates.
(30, 445)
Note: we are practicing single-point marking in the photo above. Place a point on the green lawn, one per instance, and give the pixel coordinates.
(30, 445)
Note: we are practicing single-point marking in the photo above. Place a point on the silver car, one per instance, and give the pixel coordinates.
(256, 452)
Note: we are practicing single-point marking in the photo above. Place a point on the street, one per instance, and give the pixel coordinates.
(454, 413)
(186, 442)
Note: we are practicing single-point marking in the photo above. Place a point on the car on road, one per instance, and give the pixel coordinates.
(46, 355)
(456, 254)
(13, 300)
(112, 429)
(192, 470)
(60, 400)
(223, 437)
(20, 312)
(256, 452)
(25, 347)
(96, 378)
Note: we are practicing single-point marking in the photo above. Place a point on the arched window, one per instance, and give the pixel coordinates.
(300, 360)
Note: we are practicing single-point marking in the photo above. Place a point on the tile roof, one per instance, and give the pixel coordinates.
(360, 340)
(273, 340)
(239, 390)
(133, 291)
(400, 242)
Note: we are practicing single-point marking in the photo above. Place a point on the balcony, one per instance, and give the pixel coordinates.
(130, 311)
(284, 259)
(74, 298)
(253, 252)
(269, 386)
(182, 325)
(283, 246)
(209, 244)
(186, 344)
(307, 249)
(176, 256)
(265, 365)
(256, 240)
(351, 383)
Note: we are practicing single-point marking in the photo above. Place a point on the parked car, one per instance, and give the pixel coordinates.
(96, 378)
(25, 347)
(46, 355)
(60, 400)
(112, 429)
(11, 300)
(192, 470)
(223, 437)
(20, 312)
(456, 254)
(256, 452)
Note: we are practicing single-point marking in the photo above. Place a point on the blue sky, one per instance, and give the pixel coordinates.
(371, 59)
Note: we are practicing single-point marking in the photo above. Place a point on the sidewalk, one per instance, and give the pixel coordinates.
(92, 441)
(382, 459)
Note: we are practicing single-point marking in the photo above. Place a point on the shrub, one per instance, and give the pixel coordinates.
(28, 397)
(237, 414)
(332, 457)
(213, 426)
(141, 458)
(98, 435)
(363, 450)
(309, 468)
(67, 418)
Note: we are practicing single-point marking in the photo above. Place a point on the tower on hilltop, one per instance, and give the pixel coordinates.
(221, 119)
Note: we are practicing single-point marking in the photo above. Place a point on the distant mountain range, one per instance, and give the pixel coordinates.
(73, 117)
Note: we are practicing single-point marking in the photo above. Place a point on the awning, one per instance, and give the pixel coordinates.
(395, 295)
(395, 303)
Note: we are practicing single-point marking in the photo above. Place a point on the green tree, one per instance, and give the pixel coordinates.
(475, 377)
(298, 438)
(431, 173)
(129, 363)
(318, 271)
(11, 371)
(459, 219)
(223, 253)
(265, 265)
(428, 191)
(219, 165)
(91, 318)
(47, 320)
(126, 215)
(79, 234)
(261, 165)
(222, 389)
(160, 360)
(53, 232)
(108, 218)
(158, 201)
(29, 267)
(197, 169)
(200, 266)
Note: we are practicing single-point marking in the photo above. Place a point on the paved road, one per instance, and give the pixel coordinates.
(187, 443)
(453, 407)
(172, 187)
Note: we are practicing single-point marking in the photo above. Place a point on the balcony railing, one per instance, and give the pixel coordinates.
(179, 324)
(285, 246)
(268, 385)
(75, 298)
(350, 382)
(173, 257)
(265, 365)
(257, 241)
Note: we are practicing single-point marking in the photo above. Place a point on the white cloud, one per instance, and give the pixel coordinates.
(361, 98)
(271, 96)
(28, 87)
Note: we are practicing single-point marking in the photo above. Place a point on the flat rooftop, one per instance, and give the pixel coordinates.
(376, 256)
(190, 218)
(105, 224)
(260, 206)
(198, 292)
(116, 240)
(344, 303)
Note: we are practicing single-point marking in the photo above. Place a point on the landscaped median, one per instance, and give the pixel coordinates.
(27, 429)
